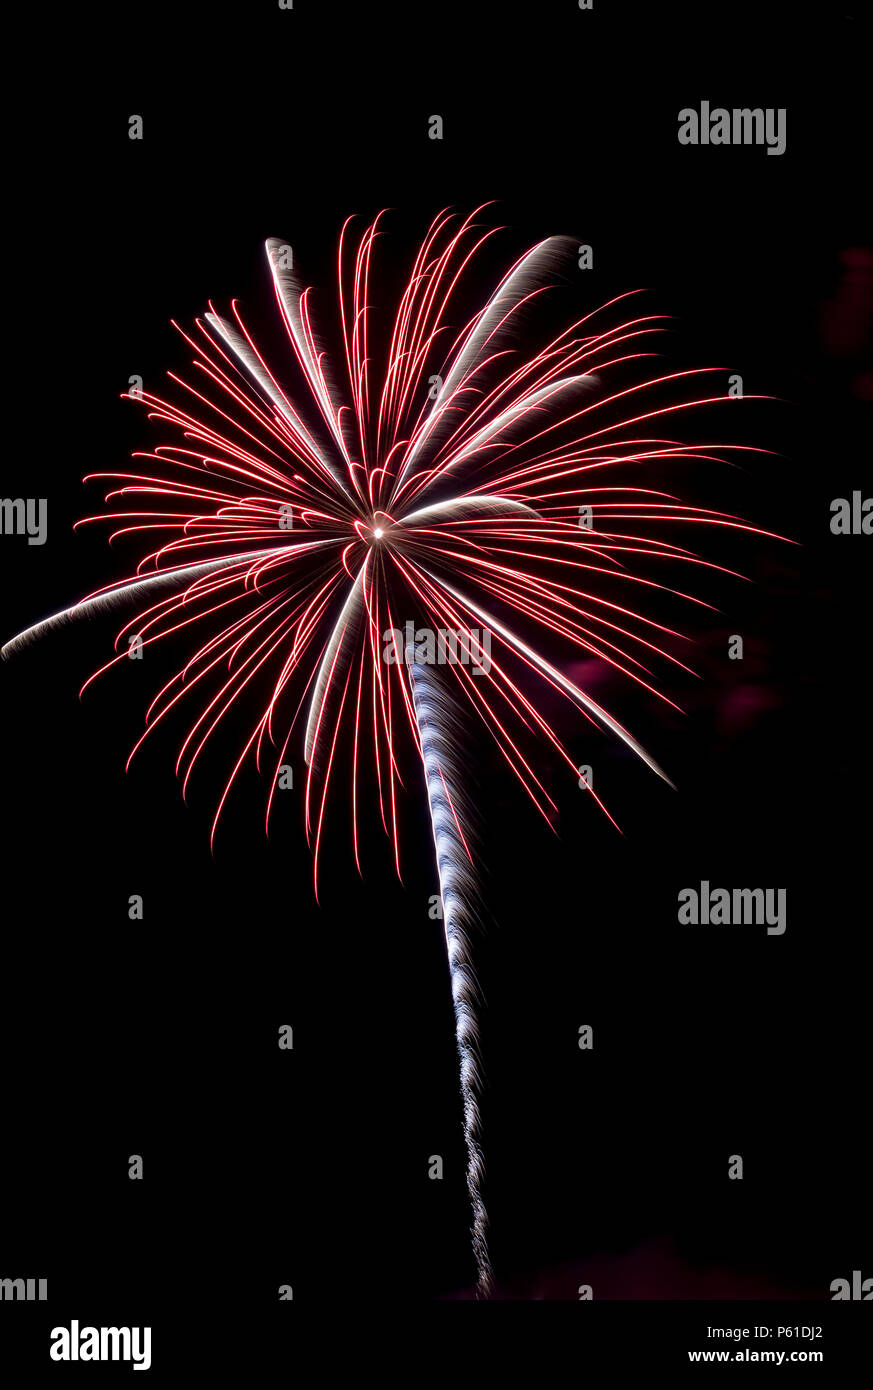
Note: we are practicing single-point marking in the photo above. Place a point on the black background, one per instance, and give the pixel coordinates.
(159, 1038)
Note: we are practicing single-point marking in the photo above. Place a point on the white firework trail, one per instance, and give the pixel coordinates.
(437, 724)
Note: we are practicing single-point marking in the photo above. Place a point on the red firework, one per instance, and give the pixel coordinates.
(441, 476)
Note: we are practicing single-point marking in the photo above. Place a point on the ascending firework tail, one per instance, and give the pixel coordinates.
(437, 724)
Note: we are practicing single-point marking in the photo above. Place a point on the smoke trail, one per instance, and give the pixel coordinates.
(437, 723)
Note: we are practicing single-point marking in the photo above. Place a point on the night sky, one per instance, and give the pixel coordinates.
(309, 1168)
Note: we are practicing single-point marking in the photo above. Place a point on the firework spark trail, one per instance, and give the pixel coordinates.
(436, 720)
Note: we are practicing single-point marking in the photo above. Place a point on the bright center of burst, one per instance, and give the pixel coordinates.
(378, 533)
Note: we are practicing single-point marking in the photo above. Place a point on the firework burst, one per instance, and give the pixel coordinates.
(440, 472)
